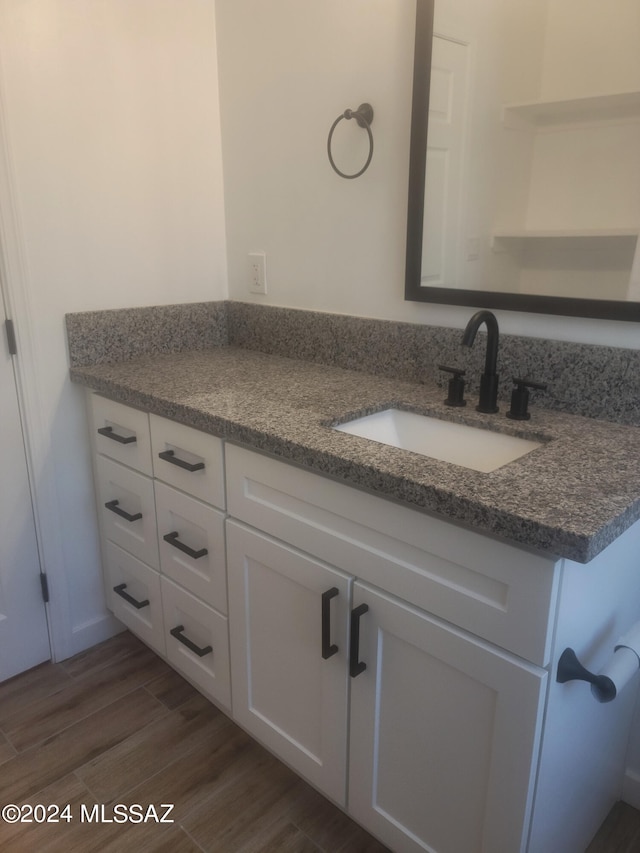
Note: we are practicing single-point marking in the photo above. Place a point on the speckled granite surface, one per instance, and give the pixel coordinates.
(596, 381)
(105, 337)
(571, 497)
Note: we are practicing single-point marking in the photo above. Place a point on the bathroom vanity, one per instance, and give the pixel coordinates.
(388, 624)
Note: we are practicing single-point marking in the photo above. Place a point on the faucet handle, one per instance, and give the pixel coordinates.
(520, 398)
(456, 386)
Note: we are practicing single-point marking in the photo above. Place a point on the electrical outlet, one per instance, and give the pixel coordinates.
(473, 248)
(257, 272)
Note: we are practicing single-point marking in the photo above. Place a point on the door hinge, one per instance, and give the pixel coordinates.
(11, 337)
(44, 583)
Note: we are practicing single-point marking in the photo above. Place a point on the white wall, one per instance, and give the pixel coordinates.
(591, 48)
(287, 70)
(111, 125)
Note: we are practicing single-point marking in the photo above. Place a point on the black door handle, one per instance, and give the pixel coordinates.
(120, 590)
(122, 439)
(113, 506)
(172, 539)
(356, 666)
(170, 456)
(328, 648)
(198, 650)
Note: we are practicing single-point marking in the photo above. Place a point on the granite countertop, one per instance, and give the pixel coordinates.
(571, 497)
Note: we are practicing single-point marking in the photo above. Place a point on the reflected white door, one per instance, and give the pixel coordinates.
(24, 640)
(445, 159)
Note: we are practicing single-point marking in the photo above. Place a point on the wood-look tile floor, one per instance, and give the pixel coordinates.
(116, 725)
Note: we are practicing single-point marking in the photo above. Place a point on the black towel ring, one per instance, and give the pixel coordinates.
(364, 116)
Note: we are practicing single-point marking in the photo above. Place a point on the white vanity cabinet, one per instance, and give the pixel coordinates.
(444, 727)
(460, 738)
(403, 665)
(160, 490)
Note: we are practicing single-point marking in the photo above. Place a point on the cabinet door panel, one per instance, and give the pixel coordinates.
(130, 493)
(199, 644)
(444, 734)
(140, 583)
(284, 691)
(202, 453)
(200, 528)
(124, 433)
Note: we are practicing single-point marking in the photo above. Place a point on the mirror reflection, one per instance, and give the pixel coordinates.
(530, 161)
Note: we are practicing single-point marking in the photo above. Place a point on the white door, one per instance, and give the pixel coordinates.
(288, 664)
(444, 733)
(441, 245)
(24, 640)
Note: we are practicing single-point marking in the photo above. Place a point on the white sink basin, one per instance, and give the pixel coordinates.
(479, 449)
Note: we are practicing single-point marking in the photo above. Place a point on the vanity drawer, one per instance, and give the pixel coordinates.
(199, 644)
(191, 460)
(120, 432)
(127, 509)
(193, 554)
(489, 588)
(133, 592)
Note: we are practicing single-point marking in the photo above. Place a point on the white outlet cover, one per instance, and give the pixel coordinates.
(257, 272)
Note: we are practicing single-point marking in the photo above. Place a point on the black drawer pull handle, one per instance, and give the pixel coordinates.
(122, 439)
(120, 590)
(113, 506)
(172, 539)
(356, 666)
(328, 648)
(201, 652)
(170, 456)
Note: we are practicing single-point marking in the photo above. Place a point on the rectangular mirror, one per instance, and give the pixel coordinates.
(524, 174)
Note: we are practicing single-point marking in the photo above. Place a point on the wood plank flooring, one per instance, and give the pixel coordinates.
(116, 725)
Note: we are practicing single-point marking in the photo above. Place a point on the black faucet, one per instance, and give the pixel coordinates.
(489, 379)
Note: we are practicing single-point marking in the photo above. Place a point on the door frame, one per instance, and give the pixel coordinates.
(15, 293)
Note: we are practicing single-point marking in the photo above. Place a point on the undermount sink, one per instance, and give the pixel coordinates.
(478, 449)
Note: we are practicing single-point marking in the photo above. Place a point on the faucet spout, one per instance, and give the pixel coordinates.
(489, 379)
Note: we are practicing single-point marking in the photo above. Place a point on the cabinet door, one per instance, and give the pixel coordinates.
(444, 734)
(285, 692)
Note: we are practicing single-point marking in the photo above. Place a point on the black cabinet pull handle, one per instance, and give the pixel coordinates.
(120, 590)
(201, 652)
(172, 539)
(356, 666)
(113, 506)
(170, 456)
(328, 648)
(122, 439)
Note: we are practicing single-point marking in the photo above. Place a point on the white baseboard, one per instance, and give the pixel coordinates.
(631, 788)
(95, 631)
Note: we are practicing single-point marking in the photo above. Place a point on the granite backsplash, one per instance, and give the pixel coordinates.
(587, 379)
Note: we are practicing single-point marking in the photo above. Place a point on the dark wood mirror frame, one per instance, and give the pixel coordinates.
(603, 309)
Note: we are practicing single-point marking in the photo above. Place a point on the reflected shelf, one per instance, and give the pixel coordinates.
(593, 107)
(504, 235)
